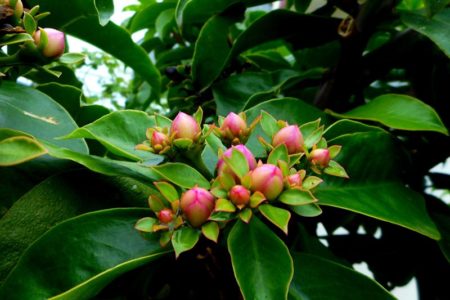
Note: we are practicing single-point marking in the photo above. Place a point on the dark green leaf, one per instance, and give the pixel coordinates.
(146, 17)
(399, 112)
(318, 278)
(29, 23)
(261, 261)
(181, 175)
(105, 9)
(344, 126)
(111, 246)
(66, 95)
(28, 110)
(278, 216)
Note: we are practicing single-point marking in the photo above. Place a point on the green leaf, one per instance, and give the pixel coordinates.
(345, 126)
(399, 112)
(19, 149)
(237, 162)
(435, 6)
(335, 169)
(313, 138)
(120, 132)
(81, 17)
(67, 96)
(105, 10)
(184, 239)
(146, 17)
(261, 262)
(181, 175)
(145, 224)
(72, 58)
(317, 278)
(12, 39)
(269, 124)
(211, 231)
(374, 188)
(28, 110)
(213, 34)
(296, 197)
(308, 210)
(277, 154)
(435, 28)
(111, 246)
(224, 205)
(167, 190)
(278, 216)
(29, 23)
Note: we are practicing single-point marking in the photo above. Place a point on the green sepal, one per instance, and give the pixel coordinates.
(311, 182)
(198, 115)
(314, 137)
(269, 124)
(246, 215)
(219, 192)
(146, 224)
(165, 238)
(256, 199)
(278, 153)
(334, 150)
(29, 23)
(224, 205)
(335, 169)
(226, 180)
(184, 239)
(182, 143)
(211, 231)
(167, 190)
(295, 159)
(308, 210)
(295, 197)
(221, 216)
(237, 162)
(278, 216)
(155, 203)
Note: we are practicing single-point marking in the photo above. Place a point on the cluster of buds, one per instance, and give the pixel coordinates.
(234, 130)
(272, 187)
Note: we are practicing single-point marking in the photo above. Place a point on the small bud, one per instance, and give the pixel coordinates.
(184, 126)
(244, 150)
(234, 128)
(239, 195)
(291, 137)
(159, 138)
(267, 179)
(320, 157)
(197, 205)
(294, 180)
(55, 45)
(165, 216)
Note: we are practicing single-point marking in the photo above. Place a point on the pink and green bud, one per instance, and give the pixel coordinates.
(291, 137)
(320, 157)
(165, 216)
(239, 195)
(233, 126)
(197, 205)
(294, 180)
(184, 126)
(267, 179)
(159, 139)
(55, 42)
(221, 166)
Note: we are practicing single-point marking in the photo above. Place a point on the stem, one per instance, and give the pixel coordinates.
(10, 60)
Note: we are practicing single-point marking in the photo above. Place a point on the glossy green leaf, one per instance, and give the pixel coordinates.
(374, 188)
(261, 261)
(296, 197)
(145, 224)
(181, 175)
(66, 95)
(278, 216)
(269, 124)
(308, 210)
(399, 112)
(211, 231)
(345, 126)
(111, 246)
(120, 132)
(184, 239)
(146, 17)
(28, 110)
(105, 9)
(317, 278)
(53, 200)
(19, 149)
(277, 154)
(29, 23)
(81, 17)
(435, 28)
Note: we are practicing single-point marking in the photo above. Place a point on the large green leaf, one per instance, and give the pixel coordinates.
(80, 18)
(58, 198)
(146, 17)
(399, 112)
(318, 278)
(120, 132)
(373, 164)
(18, 149)
(435, 28)
(28, 110)
(261, 261)
(84, 254)
(67, 95)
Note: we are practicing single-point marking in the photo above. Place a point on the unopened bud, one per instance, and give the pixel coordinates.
(294, 180)
(184, 126)
(320, 157)
(267, 179)
(159, 138)
(165, 216)
(291, 137)
(233, 127)
(197, 205)
(241, 148)
(239, 195)
(55, 42)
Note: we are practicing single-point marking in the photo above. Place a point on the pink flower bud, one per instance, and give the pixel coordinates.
(244, 150)
(320, 157)
(239, 195)
(165, 215)
(291, 137)
(184, 126)
(159, 138)
(267, 179)
(197, 205)
(55, 45)
(294, 180)
(234, 124)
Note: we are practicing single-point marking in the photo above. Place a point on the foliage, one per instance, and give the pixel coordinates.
(278, 120)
